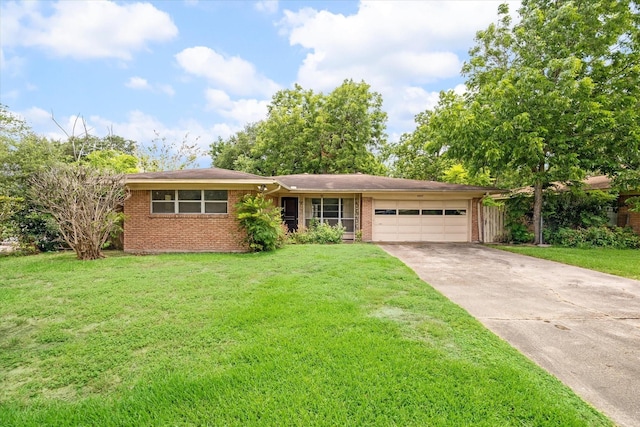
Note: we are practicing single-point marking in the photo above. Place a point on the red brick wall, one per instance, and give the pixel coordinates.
(475, 216)
(366, 219)
(627, 218)
(146, 232)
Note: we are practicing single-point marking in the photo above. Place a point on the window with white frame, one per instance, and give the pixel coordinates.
(332, 211)
(189, 201)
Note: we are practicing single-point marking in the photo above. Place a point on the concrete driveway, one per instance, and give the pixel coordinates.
(582, 326)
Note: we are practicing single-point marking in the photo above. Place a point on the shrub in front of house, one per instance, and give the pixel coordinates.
(261, 221)
(319, 233)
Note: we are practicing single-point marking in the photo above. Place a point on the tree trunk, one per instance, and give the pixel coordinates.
(537, 212)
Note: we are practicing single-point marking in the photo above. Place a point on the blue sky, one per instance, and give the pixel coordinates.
(206, 68)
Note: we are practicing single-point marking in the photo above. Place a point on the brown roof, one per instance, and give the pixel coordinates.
(189, 174)
(305, 182)
(362, 182)
(600, 182)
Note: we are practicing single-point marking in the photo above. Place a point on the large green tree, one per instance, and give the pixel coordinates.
(23, 154)
(553, 96)
(308, 132)
(113, 161)
(422, 154)
(235, 152)
(417, 155)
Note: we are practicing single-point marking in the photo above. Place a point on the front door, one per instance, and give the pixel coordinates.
(290, 212)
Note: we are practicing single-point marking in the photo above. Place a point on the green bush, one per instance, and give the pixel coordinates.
(320, 233)
(37, 231)
(262, 222)
(576, 208)
(604, 237)
(518, 215)
(8, 207)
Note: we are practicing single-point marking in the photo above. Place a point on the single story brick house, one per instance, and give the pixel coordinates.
(193, 210)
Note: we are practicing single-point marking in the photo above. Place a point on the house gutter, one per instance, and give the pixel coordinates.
(274, 190)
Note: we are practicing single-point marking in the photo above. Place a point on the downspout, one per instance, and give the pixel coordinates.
(480, 221)
(273, 191)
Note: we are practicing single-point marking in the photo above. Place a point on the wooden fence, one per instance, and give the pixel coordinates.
(493, 224)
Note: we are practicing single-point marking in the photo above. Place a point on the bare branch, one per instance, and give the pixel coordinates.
(85, 204)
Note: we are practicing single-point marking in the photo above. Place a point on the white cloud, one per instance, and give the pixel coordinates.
(36, 116)
(267, 6)
(460, 89)
(398, 47)
(167, 89)
(411, 42)
(138, 126)
(139, 83)
(232, 74)
(9, 95)
(144, 128)
(85, 29)
(240, 111)
(403, 103)
(11, 65)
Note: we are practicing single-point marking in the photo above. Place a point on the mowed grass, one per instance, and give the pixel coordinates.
(621, 262)
(309, 335)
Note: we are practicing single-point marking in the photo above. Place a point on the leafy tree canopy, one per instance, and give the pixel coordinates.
(308, 132)
(423, 153)
(112, 160)
(235, 153)
(22, 153)
(417, 155)
(552, 97)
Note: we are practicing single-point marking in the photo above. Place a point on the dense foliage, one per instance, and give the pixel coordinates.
(576, 208)
(319, 233)
(518, 217)
(423, 154)
(308, 132)
(573, 217)
(549, 98)
(602, 237)
(36, 230)
(261, 221)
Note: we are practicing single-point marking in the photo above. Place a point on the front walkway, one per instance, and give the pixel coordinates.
(582, 326)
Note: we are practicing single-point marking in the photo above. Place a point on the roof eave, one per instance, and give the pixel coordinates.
(202, 181)
(294, 189)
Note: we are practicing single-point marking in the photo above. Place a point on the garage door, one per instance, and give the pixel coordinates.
(421, 221)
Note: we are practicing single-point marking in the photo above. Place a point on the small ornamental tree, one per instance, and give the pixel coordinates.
(84, 202)
(261, 220)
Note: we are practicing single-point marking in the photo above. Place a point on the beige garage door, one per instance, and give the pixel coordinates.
(421, 221)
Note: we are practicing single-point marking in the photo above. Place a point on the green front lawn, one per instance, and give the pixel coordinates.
(308, 335)
(621, 262)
